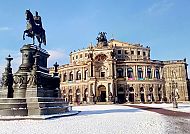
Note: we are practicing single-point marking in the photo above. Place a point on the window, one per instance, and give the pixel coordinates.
(76, 56)
(80, 55)
(129, 72)
(132, 52)
(126, 52)
(101, 57)
(144, 54)
(85, 74)
(157, 73)
(149, 73)
(120, 72)
(119, 51)
(138, 53)
(102, 74)
(70, 96)
(71, 76)
(64, 77)
(78, 75)
(86, 54)
(140, 73)
(73, 57)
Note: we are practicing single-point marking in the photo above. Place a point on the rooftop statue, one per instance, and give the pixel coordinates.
(34, 28)
(102, 37)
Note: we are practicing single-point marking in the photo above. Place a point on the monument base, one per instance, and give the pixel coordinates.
(34, 91)
(32, 106)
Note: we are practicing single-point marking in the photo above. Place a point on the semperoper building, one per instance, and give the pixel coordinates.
(115, 71)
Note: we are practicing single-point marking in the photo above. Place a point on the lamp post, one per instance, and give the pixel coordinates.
(90, 56)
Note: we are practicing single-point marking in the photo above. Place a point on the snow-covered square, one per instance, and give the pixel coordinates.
(101, 119)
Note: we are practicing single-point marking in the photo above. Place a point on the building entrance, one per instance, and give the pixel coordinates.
(131, 94)
(103, 96)
(121, 95)
(101, 93)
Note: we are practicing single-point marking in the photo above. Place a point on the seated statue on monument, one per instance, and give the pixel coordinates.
(31, 90)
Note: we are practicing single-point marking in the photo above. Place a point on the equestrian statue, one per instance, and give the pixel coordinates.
(34, 28)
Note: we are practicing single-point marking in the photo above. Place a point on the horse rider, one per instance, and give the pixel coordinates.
(37, 20)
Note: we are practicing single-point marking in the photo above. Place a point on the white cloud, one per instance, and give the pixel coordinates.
(56, 56)
(160, 7)
(5, 28)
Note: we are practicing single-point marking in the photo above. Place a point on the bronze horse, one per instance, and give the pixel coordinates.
(34, 29)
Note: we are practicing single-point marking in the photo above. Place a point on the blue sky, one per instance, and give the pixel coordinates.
(164, 25)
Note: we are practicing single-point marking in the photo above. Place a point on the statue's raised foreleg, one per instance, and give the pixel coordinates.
(33, 40)
(24, 35)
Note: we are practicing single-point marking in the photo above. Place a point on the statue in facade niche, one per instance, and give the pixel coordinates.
(34, 28)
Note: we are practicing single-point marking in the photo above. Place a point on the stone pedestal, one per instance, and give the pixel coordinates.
(36, 92)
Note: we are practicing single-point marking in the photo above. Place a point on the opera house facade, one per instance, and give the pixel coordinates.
(119, 72)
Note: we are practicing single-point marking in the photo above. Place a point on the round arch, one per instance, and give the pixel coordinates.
(77, 95)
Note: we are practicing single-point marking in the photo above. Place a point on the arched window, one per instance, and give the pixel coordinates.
(77, 95)
(64, 95)
(149, 73)
(64, 77)
(85, 94)
(150, 95)
(78, 75)
(142, 94)
(71, 76)
(119, 72)
(131, 89)
(85, 74)
(101, 57)
(157, 73)
(102, 74)
(141, 90)
(130, 72)
(159, 94)
(140, 73)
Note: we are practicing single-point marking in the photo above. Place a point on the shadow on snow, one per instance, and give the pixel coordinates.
(108, 111)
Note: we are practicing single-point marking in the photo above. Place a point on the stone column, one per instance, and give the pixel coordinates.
(114, 69)
(91, 93)
(146, 93)
(153, 72)
(116, 96)
(82, 74)
(107, 93)
(145, 72)
(155, 92)
(74, 75)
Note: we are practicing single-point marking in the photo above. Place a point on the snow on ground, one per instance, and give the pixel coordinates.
(182, 107)
(93, 119)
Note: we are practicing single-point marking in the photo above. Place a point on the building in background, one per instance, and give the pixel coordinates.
(114, 71)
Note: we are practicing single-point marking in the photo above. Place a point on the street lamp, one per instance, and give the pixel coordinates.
(90, 56)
